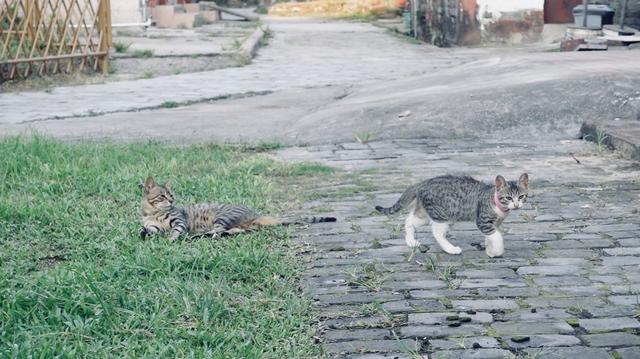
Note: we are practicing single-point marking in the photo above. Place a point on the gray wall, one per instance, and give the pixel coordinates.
(633, 11)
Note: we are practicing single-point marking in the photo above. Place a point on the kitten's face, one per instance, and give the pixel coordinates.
(512, 194)
(156, 196)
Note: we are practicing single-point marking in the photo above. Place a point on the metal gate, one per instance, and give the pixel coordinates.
(452, 22)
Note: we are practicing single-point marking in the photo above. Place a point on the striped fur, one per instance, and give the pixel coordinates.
(160, 214)
(448, 199)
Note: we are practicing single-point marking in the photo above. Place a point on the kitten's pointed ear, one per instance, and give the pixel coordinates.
(149, 184)
(500, 182)
(523, 181)
(167, 186)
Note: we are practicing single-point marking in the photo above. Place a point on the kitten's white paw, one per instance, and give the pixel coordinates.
(491, 252)
(453, 250)
(412, 242)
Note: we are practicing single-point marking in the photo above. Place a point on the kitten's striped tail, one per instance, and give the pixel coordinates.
(308, 220)
(407, 197)
(270, 221)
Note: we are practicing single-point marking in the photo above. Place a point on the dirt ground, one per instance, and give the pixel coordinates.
(321, 81)
(143, 53)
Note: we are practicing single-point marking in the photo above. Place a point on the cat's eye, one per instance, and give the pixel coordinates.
(509, 199)
(521, 196)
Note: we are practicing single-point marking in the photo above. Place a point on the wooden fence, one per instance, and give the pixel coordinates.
(53, 36)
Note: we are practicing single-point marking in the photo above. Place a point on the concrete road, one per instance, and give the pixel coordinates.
(328, 81)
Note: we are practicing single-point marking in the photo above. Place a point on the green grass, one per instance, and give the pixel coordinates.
(76, 280)
(142, 53)
(169, 104)
(121, 47)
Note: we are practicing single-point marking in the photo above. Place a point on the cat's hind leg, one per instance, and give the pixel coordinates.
(416, 218)
(439, 230)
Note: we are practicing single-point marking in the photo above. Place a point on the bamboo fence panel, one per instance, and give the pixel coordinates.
(39, 37)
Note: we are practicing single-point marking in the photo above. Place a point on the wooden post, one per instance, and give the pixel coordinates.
(414, 17)
(585, 7)
(104, 17)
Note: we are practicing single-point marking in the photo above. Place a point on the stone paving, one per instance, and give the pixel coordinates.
(568, 285)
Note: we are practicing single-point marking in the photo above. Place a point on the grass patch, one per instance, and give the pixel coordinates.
(148, 74)
(169, 104)
(200, 20)
(142, 53)
(121, 47)
(76, 281)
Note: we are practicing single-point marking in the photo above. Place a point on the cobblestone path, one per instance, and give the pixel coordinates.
(567, 287)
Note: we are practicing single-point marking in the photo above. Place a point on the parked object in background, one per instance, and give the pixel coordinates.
(615, 34)
(597, 16)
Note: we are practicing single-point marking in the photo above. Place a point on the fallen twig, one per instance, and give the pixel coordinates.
(574, 157)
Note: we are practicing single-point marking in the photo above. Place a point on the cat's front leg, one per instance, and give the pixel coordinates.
(147, 231)
(494, 244)
(178, 228)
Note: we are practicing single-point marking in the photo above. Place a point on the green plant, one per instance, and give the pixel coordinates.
(242, 60)
(268, 35)
(574, 322)
(414, 352)
(113, 67)
(169, 104)
(200, 20)
(446, 302)
(372, 308)
(148, 74)
(364, 137)
(124, 33)
(261, 9)
(369, 276)
(236, 44)
(445, 273)
(121, 47)
(600, 139)
(142, 53)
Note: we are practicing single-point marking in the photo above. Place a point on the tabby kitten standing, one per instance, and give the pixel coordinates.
(160, 214)
(447, 199)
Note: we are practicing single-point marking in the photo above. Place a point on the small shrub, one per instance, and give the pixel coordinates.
(142, 53)
(121, 47)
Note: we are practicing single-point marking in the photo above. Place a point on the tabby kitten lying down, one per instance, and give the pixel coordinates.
(447, 199)
(160, 214)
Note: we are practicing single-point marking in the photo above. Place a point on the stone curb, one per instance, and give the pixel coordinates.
(251, 44)
(623, 136)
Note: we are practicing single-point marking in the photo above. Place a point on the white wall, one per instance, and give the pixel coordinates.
(495, 7)
(126, 11)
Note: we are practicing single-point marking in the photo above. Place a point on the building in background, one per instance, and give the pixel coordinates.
(472, 22)
(128, 11)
